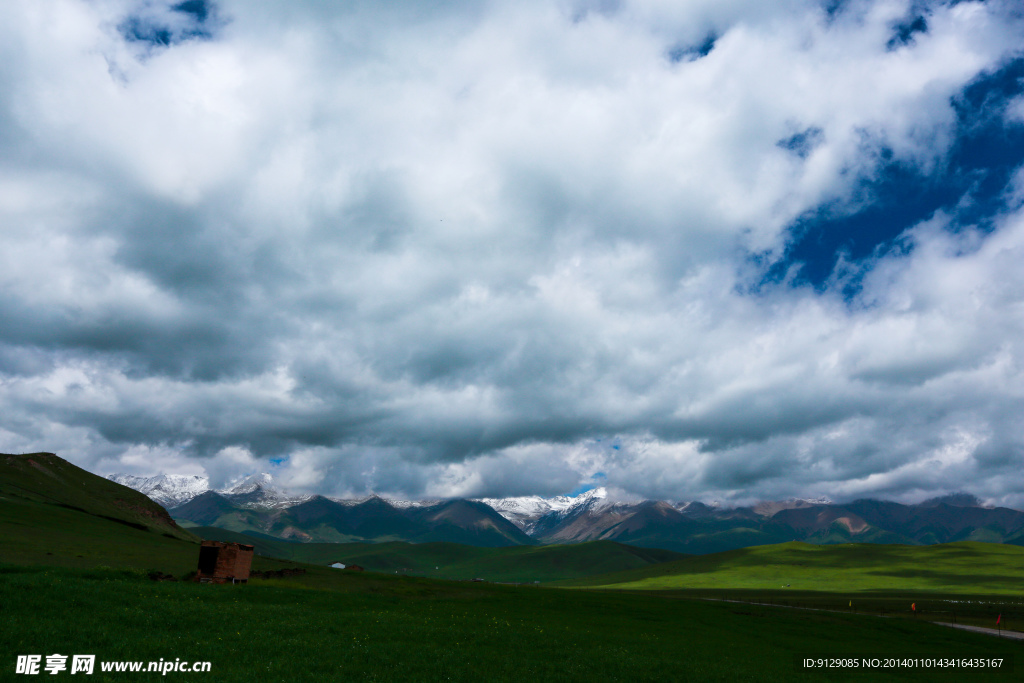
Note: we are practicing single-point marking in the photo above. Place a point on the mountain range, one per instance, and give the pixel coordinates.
(256, 506)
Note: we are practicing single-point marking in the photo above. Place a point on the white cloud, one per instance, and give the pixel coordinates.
(442, 251)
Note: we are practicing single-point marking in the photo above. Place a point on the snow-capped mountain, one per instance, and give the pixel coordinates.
(173, 490)
(258, 491)
(253, 482)
(169, 490)
(395, 503)
(526, 511)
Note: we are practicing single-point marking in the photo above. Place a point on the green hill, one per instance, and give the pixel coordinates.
(50, 480)
(516, 564)
(54, 513)
(966, 567)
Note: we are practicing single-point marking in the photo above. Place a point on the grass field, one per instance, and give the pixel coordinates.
(966, 583)
(956, 568)
(368, 627)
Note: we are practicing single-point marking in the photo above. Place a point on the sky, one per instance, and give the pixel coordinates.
(725, 250)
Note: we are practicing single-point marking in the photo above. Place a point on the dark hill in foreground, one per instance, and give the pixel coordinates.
(53, 513)
(44, 478)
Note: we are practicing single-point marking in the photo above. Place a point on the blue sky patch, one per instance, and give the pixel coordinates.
(804, 142)
(834, 7)
(903, 33)
(199, 9)
(137, 30)
(189, 20)
(969, 185)
(689, 53)
(595, 480)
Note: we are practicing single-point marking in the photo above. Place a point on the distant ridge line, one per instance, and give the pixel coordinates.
(257, 504)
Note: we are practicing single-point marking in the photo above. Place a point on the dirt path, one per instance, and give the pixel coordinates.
(1016, 635)
(1013, 635)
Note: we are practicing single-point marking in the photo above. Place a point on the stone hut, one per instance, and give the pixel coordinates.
(224, 562)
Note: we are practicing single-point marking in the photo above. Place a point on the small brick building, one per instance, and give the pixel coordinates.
(224, 562)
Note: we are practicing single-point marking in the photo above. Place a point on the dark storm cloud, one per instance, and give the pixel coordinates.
(498, 249)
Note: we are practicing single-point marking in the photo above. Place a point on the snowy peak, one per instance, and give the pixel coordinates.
(250, 484)
(532, 505)
(258, 491)
(173, 490)
(169, 490)
(525, 511)
(406, 504)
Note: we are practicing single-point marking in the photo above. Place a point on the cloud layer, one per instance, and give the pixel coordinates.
(506, 248)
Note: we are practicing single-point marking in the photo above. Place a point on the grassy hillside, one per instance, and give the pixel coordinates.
(374, 627)
(46, 479)
(40, 534)
(966, 567)
(455, 561)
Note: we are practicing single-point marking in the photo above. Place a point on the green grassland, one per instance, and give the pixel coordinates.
(514, 564)
(380, 628)
(967, 583)
(328, 623)
(958, 568)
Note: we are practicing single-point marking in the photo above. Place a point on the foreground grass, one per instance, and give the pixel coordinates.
(403, 629)
(1001, 612)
